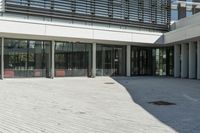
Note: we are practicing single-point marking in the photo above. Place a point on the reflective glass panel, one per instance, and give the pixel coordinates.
(111, 60)
(152, 61)
(72, 59)
(26, 58)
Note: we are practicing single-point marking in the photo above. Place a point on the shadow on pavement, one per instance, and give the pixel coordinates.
(183, 116)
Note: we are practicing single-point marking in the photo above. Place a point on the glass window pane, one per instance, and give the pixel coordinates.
(72, 59)
(26, 58)
(152, 61)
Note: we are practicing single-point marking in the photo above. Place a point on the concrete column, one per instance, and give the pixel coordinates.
(198, 59)
(128, 60)
(2, 58)
(94, 60)
(177, 61)
(53, 60)
(192, 60)
(184, 60)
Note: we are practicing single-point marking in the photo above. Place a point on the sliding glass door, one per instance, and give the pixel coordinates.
(27, 58)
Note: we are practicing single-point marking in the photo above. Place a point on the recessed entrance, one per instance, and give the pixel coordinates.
(111, 60)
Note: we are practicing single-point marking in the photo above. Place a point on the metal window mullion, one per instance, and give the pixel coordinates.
(52, 59)
(2, 58)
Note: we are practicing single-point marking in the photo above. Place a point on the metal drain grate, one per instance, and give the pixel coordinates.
(164, 103)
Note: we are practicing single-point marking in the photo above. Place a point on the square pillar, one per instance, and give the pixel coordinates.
(2, 58)
(198, 59)
(94, 47)
(184, 60)
(192, 60)
(128, 60)
(177, 61)
(53, 59)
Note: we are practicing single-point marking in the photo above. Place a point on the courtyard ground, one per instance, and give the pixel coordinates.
(99, 105)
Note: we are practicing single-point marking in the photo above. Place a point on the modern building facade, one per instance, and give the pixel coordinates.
(64, 38)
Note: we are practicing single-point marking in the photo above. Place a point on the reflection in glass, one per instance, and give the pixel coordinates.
(141, 61)
(111, 60)
(26, 58)
(152, 61)
(73, 59)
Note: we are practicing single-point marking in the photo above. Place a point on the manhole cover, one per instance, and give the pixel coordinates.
(161, 103)
(109, 83)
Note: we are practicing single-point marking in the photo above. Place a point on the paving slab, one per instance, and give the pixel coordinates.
(98, 105)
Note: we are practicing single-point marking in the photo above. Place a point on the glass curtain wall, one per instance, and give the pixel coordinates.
(73, 59)
(27, 58)
(152, 61)
(111, 60)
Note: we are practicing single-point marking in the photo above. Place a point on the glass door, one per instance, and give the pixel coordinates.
(107, 61)
(111, 60)
(119, 61)
(117, 56)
